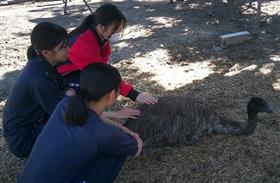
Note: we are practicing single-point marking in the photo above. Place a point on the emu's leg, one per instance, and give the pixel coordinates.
(229, 127)
(151, 147)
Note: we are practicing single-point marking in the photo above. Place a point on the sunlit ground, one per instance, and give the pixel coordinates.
(237, 69)
(172, 76)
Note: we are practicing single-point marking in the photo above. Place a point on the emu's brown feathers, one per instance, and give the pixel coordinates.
(184, 120)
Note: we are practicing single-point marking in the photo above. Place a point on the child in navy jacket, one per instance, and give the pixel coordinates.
(76, 145)
(37, 90)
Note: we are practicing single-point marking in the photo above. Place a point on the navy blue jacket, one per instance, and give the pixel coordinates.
(33, 98)
(62, 153)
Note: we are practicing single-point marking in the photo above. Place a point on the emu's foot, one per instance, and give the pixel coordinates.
(148, 148)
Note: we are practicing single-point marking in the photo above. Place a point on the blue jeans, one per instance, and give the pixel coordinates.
(103, 170)
(21, 144)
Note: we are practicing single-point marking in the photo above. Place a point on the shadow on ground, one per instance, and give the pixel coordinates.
(189, 35)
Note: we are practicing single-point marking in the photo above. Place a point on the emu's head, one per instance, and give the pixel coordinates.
(257, 105)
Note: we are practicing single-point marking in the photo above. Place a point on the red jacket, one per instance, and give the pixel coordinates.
(86, 50)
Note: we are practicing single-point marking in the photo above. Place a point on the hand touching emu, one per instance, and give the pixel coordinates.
(183, 120)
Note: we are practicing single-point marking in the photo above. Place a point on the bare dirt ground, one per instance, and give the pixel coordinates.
(174, 49)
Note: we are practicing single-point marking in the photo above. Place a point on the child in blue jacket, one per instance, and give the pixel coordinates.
(37, 90)
(76, 145)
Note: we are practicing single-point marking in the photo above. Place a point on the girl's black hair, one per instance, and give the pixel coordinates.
(45, 36)
(96, 80)
(104, 15)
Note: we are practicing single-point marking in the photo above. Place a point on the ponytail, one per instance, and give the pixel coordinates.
(76, 111)
(88, 21)
(31, 53)
(96, 81)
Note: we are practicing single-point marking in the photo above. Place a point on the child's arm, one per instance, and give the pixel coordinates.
(121, 114)
(113, 123)
(127, 90)
(127, 131)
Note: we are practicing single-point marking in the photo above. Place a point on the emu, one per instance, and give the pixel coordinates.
(183, 120)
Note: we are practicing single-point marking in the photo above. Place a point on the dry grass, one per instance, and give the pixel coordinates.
(237, 73)
(221, 158)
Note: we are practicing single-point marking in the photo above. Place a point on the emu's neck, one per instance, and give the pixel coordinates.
(251, 123)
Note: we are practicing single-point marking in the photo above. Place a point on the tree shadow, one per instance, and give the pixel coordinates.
(159, 22)
(239, 71)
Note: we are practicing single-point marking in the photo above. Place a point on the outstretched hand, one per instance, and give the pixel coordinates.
(122, 114)
(127, 113)
(146, 99)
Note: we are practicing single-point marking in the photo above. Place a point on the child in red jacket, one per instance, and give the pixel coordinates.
(91, 45)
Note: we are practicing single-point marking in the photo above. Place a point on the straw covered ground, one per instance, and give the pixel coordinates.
(175, 50)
